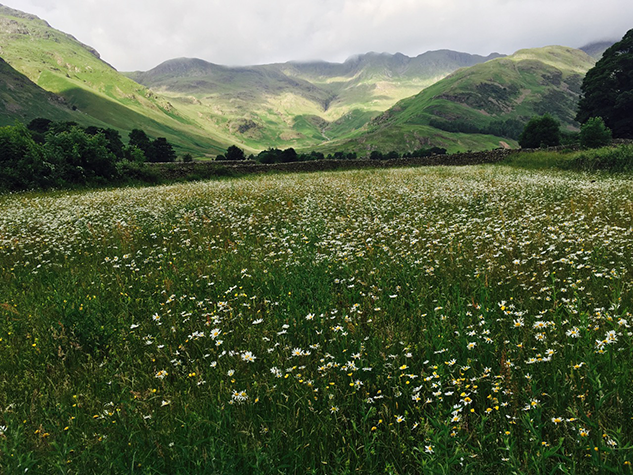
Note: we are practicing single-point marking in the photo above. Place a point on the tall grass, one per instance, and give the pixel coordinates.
(441, 320)
(612, 159)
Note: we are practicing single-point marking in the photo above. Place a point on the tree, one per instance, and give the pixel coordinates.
(162, 151)
(594, 133)
(115, 144)
(140, 140)
(80, 157)
(234, 153)
(288, 155)
(38, 128)
(607, 89)
(541, 131)
(269, 156)
(21, 162)
(134, 154)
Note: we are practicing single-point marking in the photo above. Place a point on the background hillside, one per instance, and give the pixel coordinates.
(483, 105)
(58, 63)
(23, 100)
(298, 104)
(374, 101)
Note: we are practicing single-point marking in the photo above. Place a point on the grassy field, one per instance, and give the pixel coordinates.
(430, 320)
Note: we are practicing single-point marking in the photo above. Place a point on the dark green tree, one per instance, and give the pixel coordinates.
(607, 89)
(269, 156)
(81, 158)
(115, 144)
(234, 153)
(59, 127)
(140, 140)
(339, 156)
(162, 151)
(134, 154)
(314, 156)
(541, 131)
(594, 133)
(288, 155)
(38, 128)
(21, 163)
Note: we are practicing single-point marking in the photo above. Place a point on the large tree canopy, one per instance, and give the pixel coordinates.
(608, 89)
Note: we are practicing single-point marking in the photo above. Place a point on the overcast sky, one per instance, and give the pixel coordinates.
(140, 34)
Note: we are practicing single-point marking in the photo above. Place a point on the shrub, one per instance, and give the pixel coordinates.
(617, 160)
(594, 133)
(540, 132)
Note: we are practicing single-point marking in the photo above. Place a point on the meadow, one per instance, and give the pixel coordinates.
(422, 320)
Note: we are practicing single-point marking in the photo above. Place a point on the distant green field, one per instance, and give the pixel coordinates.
(428, 320)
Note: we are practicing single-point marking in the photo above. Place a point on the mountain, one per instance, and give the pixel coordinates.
(61, 65)
(482, 106)
(372, 101)
(596, 50)
(299, 104)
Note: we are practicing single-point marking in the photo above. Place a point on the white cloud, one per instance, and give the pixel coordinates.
(139, 34)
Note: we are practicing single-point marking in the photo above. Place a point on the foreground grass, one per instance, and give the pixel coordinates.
(440, 320)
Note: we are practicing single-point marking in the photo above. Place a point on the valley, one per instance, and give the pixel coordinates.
(370, 102)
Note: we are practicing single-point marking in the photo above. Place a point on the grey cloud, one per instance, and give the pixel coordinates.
(139, 34)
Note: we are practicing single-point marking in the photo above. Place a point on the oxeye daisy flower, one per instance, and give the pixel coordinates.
(162, 374)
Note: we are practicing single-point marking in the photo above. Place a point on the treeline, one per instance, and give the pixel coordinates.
(289, 155)
(47, 154)
(421, 152)
(275, 155)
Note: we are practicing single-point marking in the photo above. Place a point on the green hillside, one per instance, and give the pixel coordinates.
(58, 63)
(483, 105)
(297, 104)
(23, 100)
(369, 102)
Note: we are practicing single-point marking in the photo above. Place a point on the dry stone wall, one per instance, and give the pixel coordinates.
(211, 168)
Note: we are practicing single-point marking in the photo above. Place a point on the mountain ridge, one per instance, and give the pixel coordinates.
(488, 102)
(370, 101)
(298, 103)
